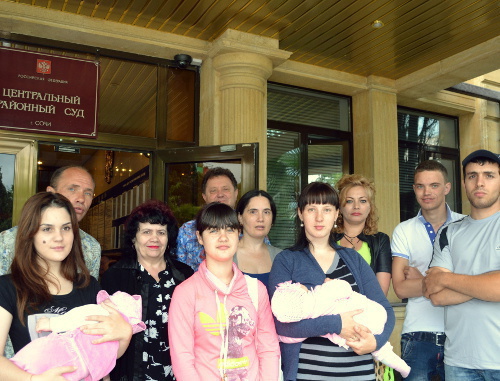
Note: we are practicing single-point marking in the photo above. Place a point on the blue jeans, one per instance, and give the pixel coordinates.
(457, 373)
(425, 358)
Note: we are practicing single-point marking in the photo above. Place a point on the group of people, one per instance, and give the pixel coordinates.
(219, 302)
(447, 265)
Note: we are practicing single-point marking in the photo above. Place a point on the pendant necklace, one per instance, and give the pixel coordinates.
(350, 239)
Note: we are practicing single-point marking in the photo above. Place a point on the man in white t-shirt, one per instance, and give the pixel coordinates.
(422, 339)
(465, 276)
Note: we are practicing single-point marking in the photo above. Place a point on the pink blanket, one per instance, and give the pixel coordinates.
(75, 348)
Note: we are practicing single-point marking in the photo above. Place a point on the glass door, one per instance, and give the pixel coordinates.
(178, 173)
(17, 178)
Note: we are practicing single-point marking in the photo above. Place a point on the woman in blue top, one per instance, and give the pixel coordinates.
(315, 257)
(256, 213)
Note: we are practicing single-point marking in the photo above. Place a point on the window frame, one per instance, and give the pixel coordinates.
(311, 135)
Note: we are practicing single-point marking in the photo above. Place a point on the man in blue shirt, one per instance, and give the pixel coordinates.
(218, 185)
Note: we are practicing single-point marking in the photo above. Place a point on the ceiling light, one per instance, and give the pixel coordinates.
(378, 24)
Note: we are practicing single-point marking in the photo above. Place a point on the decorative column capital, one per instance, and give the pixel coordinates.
(233, 41)
(240, 65)
(243, 70)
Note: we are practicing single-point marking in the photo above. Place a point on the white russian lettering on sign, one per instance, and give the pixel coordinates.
(77, 113)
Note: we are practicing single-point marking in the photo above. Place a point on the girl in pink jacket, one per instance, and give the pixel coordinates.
(220, 321)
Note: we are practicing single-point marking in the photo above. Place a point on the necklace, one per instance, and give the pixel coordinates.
(350, 239)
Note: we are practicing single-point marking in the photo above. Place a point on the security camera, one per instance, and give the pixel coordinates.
(183, 60)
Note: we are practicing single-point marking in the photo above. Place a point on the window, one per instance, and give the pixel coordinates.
(424, 136)
(308, 139)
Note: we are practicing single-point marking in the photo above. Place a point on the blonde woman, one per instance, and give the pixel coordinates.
(357, 229)
(357, 226)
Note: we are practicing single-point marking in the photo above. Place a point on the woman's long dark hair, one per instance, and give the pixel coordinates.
(315, 193)
(154, 212)
(29, 277)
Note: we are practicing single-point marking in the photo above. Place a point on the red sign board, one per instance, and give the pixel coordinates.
(48, 94)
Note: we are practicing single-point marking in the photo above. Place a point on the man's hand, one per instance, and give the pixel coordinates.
(412, 273)
(433, 281)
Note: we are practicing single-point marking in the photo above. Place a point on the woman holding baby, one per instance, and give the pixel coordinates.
(48, 275)
(314, 258)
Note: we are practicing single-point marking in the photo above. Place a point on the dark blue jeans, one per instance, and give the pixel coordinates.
(455, 373)
(424, 357)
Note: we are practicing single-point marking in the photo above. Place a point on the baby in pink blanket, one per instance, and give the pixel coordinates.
(73, 347)
(293, 302)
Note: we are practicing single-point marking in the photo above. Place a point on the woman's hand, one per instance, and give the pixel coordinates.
(365, 341)
(348, 324)
(112, 327)
(54, 374)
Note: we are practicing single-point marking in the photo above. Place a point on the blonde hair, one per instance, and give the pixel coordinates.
(346, 183)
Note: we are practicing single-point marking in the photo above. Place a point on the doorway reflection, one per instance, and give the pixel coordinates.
(121, 183)
(7, 164)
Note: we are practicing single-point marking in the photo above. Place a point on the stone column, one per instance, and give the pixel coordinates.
(234, 92)
(243, 96)
(375, 134)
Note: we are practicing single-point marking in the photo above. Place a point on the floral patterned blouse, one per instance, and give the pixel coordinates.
(156, 349)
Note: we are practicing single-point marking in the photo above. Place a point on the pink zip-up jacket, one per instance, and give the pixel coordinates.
(198, 314)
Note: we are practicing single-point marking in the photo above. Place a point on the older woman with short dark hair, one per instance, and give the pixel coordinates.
(148, 269)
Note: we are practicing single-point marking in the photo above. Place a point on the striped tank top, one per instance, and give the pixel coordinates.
(320, 359)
